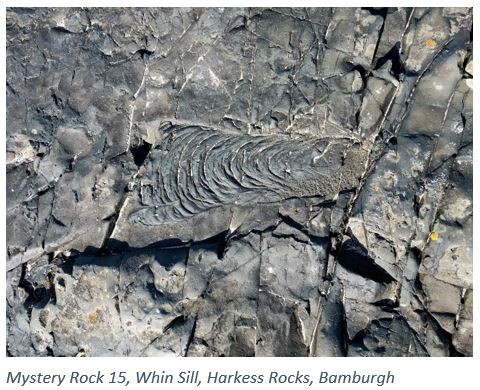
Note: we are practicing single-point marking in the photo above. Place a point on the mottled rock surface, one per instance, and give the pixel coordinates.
(239, 182)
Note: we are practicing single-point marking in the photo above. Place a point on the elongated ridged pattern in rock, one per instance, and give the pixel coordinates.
(197, 169)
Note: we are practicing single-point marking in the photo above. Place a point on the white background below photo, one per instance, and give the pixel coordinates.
(283, 373)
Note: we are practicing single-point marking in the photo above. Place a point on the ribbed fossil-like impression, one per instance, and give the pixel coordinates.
(194, 170)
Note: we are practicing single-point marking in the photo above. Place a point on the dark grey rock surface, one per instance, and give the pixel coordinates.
(239, 182)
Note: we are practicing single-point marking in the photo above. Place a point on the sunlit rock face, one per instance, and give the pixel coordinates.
(239, 182)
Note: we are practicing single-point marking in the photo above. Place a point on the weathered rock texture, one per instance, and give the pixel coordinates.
(239, 182)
